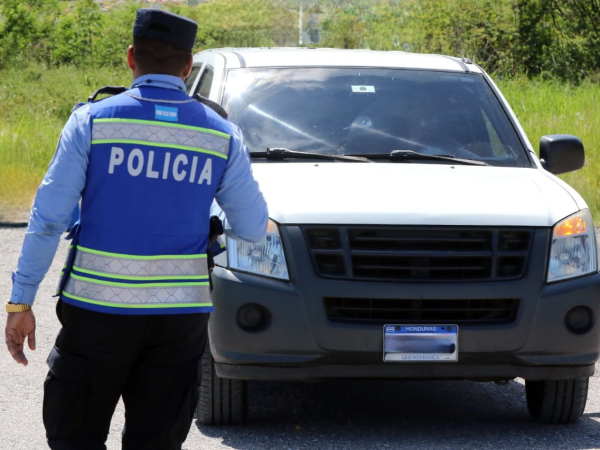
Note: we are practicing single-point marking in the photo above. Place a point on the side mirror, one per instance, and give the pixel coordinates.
(561, 153)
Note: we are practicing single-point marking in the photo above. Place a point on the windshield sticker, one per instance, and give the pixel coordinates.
(365, 89)
(467, 80)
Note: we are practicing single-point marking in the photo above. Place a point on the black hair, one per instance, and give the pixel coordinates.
(152, 56)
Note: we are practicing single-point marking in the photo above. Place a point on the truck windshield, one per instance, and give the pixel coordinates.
(356, 111)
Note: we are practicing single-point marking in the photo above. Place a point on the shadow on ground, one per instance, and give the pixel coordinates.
(397, 414)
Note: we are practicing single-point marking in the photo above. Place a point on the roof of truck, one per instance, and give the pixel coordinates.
(331, 57)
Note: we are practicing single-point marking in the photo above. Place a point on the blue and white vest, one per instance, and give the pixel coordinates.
(156, 160)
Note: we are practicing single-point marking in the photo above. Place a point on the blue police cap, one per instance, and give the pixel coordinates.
(166, 27)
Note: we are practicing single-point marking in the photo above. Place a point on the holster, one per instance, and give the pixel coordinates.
(215, 230)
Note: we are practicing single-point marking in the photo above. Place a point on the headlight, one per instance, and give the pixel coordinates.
(574, 251)
(262, 258)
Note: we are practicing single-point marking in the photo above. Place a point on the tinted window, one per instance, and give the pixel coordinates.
(206, 81)
(189, 81)
(357, 111)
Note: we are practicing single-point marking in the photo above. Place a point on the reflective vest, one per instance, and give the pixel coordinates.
(156, 160)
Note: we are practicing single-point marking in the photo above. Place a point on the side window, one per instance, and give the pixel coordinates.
(206, 80)
(189, 81)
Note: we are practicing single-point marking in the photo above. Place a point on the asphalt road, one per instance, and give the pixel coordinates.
(331, 415)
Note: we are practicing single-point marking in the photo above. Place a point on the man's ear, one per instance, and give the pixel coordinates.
(130, 58)
(188, 67)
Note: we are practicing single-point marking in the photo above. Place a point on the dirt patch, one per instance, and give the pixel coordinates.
(13, 215)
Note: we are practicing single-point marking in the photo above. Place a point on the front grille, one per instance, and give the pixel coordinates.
(419, 254)
(390, 311)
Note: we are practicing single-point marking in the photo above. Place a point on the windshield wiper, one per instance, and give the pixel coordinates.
(284, 153)
(406, 155)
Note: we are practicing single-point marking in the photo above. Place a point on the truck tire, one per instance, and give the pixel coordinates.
(556, 401)
(222, 401)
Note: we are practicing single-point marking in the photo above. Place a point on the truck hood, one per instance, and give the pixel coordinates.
(411, 194)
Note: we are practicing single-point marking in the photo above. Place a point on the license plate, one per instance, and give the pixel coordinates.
(420, 343)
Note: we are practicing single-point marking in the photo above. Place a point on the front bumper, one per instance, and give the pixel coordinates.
(300, 343)
(476, 372)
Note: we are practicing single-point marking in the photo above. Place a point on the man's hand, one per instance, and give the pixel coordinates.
(19, 325)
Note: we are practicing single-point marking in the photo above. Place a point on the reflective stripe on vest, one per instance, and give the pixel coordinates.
(160, 134)
(136, 296)
(137, 281)
(132, 267)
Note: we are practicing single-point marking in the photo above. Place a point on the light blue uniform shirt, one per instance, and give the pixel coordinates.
(60, 191)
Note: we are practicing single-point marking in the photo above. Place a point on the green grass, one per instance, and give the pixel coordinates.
(36, 103)
(547, 107)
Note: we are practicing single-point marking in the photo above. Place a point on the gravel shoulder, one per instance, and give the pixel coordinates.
(331, 415)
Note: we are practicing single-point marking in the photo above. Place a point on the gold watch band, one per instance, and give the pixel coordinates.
(11, 307)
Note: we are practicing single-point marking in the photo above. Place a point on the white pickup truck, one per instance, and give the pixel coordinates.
(414, 232)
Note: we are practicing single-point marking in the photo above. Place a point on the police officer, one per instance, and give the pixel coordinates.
(134, 297)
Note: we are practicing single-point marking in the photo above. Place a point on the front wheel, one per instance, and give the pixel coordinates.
(556, 401)
(222, 401)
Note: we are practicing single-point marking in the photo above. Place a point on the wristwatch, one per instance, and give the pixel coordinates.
(12, 307)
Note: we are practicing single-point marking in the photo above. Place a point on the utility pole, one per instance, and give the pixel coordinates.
(300, 23)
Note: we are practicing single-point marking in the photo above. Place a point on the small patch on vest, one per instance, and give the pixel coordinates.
(166, 113)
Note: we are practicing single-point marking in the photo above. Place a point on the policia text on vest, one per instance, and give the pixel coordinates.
(163, 165)
(136, 166)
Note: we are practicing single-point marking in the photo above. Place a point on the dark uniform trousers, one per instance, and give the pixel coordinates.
(151, 361)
